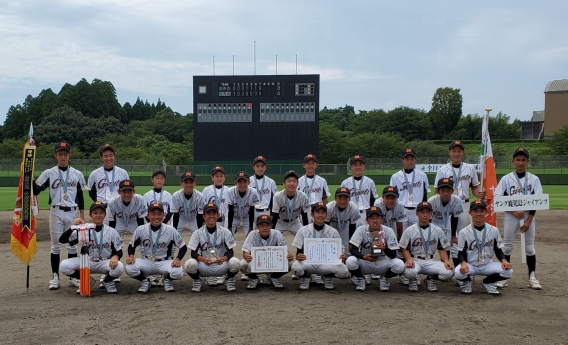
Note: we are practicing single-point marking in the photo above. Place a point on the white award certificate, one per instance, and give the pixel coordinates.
(322, 250)
(269, 259)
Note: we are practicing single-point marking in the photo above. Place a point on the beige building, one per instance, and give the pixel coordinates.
(555, 106)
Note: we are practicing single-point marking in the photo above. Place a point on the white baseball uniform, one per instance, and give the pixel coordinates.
(315, 187)
(442, 217)
(241, 205)
(214, 195)
(289, 210)
(465, 177)
(362, 190)
(126, 216)
(413, 188)
(510, 185)
(187, 209)
(422, 243)
(202, 241)
(480, 262)
(66, 187)
(157, 248)
(265, 188)
(363, 240)
(395, 215)
(163, 197)
(341, 220)
(106, 182)
(300, 268)
(255, 240)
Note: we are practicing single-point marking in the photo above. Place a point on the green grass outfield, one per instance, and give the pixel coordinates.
(558, 196)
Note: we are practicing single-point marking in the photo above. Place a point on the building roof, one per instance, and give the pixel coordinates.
(557, 86)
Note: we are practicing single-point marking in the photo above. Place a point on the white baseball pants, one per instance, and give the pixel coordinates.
(511, 225)
(59, 222)
(192, 266)
(380, 267)
(69, 266)
(149, 267)
(300, 268)
(428, 267)
(485, 270)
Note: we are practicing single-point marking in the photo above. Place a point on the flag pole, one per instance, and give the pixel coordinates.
(31, 139)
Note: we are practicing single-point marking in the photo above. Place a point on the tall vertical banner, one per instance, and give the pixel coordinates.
(488, 175)
(23, 242)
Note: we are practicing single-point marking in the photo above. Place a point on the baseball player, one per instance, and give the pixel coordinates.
(317, 229)
(186, 204)
(477, 243)
(419, 243)
(363, 243)
(212, 251)
(520, 181)
(314, 186)
(66, 186)
(103, 182)
(240, 200)
(104, 245)
(343, 215)
(157, 243)
(158, 194)
(412, 186)
(264, 186)
(214, 192)
(127, 211)
(289, 206)
(363, 189)
(446, 210)
(264, 236)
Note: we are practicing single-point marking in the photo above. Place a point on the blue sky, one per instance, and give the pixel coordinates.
(370, 54)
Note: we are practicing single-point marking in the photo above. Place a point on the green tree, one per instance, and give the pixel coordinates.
(368, 121)
(446, 109)
(331, 144)
(559, 142)
(409, 123)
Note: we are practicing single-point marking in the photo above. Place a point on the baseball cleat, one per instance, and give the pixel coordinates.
(294, 277)
(221, 280)
(244, 277)
(266, 280)
(466, 287)
(144, 286)
(368, 279)
(361, 285)
(502, 283)
(534, 283)
(431, 284)
(196, 285)
(252, 283)
(403, 280)
(354, 280)
(489, 288)
(384, 284)
(211, 281)
(54, 283)
(74, 282)
(328, 283)
(230, 283)
(160, 282)
(316, 279)
(277, 283)
(168, 286)
(375, 276)
(413, 285)
(117, 280)
(304, 283)
(110, 287)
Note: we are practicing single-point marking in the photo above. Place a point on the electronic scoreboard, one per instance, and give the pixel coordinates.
(239, 117)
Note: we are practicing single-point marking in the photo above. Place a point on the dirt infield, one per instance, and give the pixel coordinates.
(265, 316)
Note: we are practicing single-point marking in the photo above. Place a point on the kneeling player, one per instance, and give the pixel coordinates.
(476, 244)
(157, 242)
(212, 251)
(363, 260)
(104, 245)
(419, 242)
(317, 229)
(264, 236)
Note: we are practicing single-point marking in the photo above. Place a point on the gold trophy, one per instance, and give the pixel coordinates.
(376, 237)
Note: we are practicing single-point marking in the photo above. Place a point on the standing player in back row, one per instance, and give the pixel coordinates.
(313, 185)
(412, 186)
(264, 186)
(158, 194)
(363, 189)
(289, 206)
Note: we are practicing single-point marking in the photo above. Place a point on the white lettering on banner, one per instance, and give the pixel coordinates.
(521, 202)
(432, 168)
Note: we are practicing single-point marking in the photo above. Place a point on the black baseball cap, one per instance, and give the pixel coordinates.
(187, 175)
(408, 151)
(155, 205)
(125, 184)
(291, 173)
(310, 156)
(390, 190)
(217, 168)
(62, 146)
(317, 206)
(263, 218)
(424, 204)
(258, 159)
(210, 206)
(342, 191)
(521, 151)
(95, 205)
(242, 175)
(356, 158)
(159, 171)
(477, 203)
(106, 147)
(374, 210)
(445, 182)
(456, 143)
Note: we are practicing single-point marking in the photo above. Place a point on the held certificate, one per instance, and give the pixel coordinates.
(322, 250)
(269, 259)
